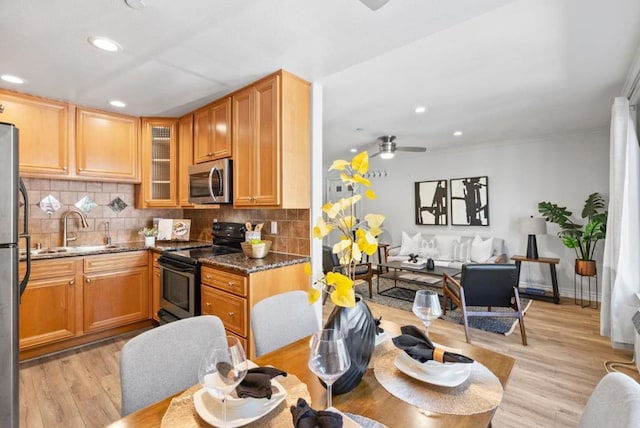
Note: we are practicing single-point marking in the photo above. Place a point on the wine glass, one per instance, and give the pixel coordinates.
(329, 357)
(222, 368)
(426, 306)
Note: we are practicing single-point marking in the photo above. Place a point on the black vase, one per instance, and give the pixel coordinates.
(430, 264)
(359, 328)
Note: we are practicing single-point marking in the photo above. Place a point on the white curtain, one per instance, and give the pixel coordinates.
(621, 263)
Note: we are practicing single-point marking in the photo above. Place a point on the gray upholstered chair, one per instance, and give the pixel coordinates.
(163, 361)
(485, 285)
(281, 319)
(614, 402)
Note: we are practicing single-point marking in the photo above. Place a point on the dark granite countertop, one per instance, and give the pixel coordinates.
(243, 264)
(58, 252)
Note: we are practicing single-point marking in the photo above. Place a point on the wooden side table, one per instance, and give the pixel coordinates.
(552, 262)
(383, 252)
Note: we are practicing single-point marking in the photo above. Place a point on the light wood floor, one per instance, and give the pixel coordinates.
(549, 385)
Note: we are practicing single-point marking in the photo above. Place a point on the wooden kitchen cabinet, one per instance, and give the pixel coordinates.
(107, 146)
(212, 131)
(271, 143)
(159, 184)
(43, 125)
(116, 290)
(185, 158)
(231, 295)
(48, 305)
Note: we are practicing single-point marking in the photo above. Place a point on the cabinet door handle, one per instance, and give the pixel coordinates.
(230, 314)
(208, 304)
(88, 280)
(207, 276)
(231, 284)
(209, 154)
(73, 281)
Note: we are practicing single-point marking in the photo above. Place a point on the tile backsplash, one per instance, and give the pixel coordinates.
(293, 235)
(46, 229)
(294, 229)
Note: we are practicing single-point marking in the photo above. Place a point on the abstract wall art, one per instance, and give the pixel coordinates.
(470, 201)
(431, 202)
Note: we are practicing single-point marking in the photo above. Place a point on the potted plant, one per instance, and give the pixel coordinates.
(150, 234)
(582, 238)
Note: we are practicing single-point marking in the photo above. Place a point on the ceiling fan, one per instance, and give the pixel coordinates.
(374, 4)
(387, 147)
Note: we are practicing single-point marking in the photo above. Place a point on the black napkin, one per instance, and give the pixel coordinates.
(379, 329)
(418, 346)
(257, 382)
(306, 417)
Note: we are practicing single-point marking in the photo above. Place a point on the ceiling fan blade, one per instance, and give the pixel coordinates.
(411, 149)
(374, 155)
(374, 4)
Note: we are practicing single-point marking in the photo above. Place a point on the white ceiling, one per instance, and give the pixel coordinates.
(496, 69)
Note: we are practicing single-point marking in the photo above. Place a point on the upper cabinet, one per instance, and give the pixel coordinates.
(212, 131)
(271, 143)
(185, 158)
(107, 146)
(158, 188)
(44, 133)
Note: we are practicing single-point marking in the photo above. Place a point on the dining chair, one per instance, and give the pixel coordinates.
(331, 263)
(163, 361)
(614, 402)
(488, 286)
(281, 319)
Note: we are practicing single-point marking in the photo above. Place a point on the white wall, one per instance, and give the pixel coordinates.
(563, 169)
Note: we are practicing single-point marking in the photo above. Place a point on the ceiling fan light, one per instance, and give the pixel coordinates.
(386, 155)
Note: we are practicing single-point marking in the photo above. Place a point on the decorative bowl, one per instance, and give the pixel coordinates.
(256, 251)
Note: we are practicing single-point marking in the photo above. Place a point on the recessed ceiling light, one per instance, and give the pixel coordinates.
(104, 44)
(457, 134)
(420, 109)
(117, 103)
(12, 79)
(353, 150)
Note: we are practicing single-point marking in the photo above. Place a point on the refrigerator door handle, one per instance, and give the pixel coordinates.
(25, 235)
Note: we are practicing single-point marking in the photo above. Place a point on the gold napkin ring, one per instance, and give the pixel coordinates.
(438, 355)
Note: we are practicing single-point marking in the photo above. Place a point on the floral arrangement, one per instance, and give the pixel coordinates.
(356, 237)
(150, 231)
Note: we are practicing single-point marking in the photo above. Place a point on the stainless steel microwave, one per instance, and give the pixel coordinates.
(210, 182)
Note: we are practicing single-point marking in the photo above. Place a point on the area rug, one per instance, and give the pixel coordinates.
(504, 326)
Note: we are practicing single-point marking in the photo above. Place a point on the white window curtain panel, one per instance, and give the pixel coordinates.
(621, 263)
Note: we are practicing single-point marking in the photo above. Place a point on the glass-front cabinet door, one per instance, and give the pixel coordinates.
(158, 188)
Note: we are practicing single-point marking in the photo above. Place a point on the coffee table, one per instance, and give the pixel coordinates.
(422, 277)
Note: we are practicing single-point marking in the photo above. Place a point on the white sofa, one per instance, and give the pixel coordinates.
(450, 250)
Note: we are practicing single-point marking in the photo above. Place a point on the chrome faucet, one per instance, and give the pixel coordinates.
(66, 239)
(107, 232)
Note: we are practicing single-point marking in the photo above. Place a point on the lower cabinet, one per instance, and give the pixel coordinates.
(155, 286)
(75, 300)
(231, 295)
(48, 305)
(116, 290)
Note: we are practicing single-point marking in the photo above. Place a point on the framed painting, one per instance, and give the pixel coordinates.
(470, 201)
(431, 202)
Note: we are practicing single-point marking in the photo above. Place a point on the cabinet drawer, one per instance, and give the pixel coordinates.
(43, 269)
(115, 261)
(232, 310)
(236, 284)
(242, 340)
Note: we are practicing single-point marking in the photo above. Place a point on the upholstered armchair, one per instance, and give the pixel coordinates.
(331, 263)
(485, 285)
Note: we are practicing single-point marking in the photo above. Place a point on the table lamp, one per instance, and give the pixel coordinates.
(533, 226)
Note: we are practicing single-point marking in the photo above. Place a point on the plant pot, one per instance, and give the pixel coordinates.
(359, 328)
(585, 267)
(149, 241)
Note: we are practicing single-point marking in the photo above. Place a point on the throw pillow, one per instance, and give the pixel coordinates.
(428, 249)
(445, 246)
(461, 252)
(410, 245)
(481, 251)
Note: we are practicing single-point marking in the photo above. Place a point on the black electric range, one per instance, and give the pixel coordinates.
(227, 237)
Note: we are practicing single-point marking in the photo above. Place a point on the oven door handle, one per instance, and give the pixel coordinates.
(178, 267)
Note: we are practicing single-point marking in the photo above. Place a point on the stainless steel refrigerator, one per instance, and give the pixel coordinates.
(12, 229)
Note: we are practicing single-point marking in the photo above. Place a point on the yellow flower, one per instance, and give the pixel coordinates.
(356, 237)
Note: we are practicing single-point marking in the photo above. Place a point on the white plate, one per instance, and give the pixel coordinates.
(381, 337)
(448, 375)
(210, 409)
